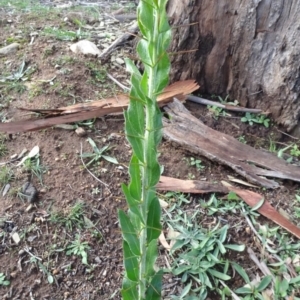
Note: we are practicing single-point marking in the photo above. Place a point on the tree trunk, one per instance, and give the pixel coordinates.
(247, 49)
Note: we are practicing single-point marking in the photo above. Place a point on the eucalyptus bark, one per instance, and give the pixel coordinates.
(247, 49)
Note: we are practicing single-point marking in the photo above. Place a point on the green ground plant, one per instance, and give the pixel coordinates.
(34, 167)
(3, 280)
(65, 35)
(6, 175)
(73, 218)
(197, 163)
(78, 248)
(97, 154)
(143, 124)
(198, 254)
(217, 111)
(258, 119)
(3, 148)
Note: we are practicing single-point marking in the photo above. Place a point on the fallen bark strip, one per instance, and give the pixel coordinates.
(252, 198)
(189, 132)
(189, 186)
(224, 106)
(89, 110)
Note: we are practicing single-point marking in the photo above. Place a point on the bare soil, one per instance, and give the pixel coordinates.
(66, 182)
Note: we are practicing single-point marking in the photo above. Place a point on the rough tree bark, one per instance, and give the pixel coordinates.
(247, 49)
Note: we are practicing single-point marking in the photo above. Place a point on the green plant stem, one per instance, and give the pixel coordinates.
(143, 123)
(150, 112)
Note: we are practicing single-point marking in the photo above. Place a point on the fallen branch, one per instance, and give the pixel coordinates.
(132, 30)
(224, 106)
(94, 109)
(253, 164)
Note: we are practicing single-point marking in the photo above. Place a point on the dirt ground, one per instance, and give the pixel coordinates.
(65, 182)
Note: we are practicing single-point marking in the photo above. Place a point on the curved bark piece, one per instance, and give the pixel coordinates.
(267, 210)
(183, 128)
(247, 49)
(94, 109)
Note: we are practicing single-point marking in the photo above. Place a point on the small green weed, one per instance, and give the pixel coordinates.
(23, 73)
(202, 257)
(34, 167)
(198, 253)
(295, 151)
(98, 73)
(242, 139)
(226, 100)
(3, 280)
(6, 175)
(98, 154)
(87, 123)
(258, 119)
(3, 148)
(251, 290)
(78, 248)
(65, 35)
(195, 163)
(73, 218)
(42, 268)
(217, 111)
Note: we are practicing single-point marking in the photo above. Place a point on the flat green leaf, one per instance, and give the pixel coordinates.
(258, 205)
(223, 233)
(145, 19)
(129, 234)
(50, 278)
(243, 290)
(110, 159)
(135, 186)
(154, 290)
(142, 50)
(219, 275)
(134, 137)
(180, 269)
(131, 263)
(93, 144)
(186, 290)
(295, 280)
(221, 247)
(144, 83)
(164, 26)
(264, 283)
(153, 221)
(129, 290)
(239, 248)
(158, 125)
(136, 93)
(131, 68)
(154, 174)
(151, 258)
(162, 74)
(241, 271)
(132, 203)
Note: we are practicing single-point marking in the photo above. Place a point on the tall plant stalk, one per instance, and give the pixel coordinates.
(143, 127)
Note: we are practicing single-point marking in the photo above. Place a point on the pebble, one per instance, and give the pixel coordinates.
(12, 48)
(120, 61)
(6, 189)
(69, 283)
(80, 132)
